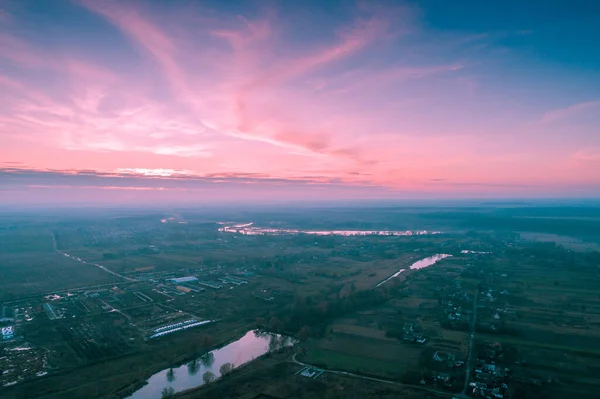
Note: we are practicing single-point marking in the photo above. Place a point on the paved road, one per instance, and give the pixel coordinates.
(470, 359)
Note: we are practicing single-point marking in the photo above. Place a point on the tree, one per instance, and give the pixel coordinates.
(275, 324)
(208, 377)
(226, 368)
(261, 322)
(303, 334)
(167, 392)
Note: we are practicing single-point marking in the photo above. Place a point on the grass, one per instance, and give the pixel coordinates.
(359, 348)
(98, 380)
(568, 242)
(534, 343)
(353, 363)
(29, 265)
(351, 329)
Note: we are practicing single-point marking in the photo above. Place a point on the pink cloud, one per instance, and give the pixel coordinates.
(587, 154)
(239, 98)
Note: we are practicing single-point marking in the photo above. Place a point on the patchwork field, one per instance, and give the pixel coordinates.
(363, 350)
(29, 265)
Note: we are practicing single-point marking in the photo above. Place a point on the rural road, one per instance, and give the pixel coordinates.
(469, 363)
(84, 262)
(348, 374)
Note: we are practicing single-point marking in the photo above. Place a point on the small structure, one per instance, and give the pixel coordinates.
(236, 281)
(440, 356)
(183, 289)
(7, 333)
(210, 284)
(50, 312)
(95, 293)
(187, 279)
(192, 287)
(310, 372)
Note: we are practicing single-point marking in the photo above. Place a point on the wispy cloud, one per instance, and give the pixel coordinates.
(587, 154)
(188, 93)
(571, 111)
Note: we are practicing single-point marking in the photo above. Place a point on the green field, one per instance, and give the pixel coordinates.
(29, 266)
(353, 363)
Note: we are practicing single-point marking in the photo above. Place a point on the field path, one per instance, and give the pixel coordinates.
(364, 377)
(87, 263)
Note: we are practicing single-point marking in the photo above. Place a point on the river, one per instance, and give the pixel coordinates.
(420, 264)
(190, 375)
(250, 229)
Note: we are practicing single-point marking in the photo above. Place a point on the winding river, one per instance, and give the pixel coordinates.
(191, 375)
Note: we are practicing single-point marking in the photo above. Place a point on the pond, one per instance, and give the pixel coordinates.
(190, 375)
(420, 264)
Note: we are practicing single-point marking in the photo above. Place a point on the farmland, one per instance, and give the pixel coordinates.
(128, 277)
(30, 265)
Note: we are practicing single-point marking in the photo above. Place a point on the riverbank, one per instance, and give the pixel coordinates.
(130, 371)
(232, 337)
(420, 264)
(190, 374)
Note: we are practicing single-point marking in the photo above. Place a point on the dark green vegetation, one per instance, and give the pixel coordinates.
(29, 264)
(537, 299)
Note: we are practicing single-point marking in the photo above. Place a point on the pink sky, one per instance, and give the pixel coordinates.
(378, 105)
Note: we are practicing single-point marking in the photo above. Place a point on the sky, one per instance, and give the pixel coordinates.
(210, 101)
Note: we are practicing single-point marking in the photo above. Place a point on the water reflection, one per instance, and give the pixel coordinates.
(207, 359)
(249, 229)
(193, 367)
(420, 264)
(171, 375)
(213, 364)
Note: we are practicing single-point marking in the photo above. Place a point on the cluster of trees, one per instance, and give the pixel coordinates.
(309, 316)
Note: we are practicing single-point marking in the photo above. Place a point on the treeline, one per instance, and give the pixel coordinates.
(310, 316)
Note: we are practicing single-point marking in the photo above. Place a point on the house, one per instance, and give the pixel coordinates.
(412, 337)
(440, 356)
(478, 385)
(7, 333)
(489, 368)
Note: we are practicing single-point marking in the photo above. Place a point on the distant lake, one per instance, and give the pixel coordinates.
(249, 347)
(420, 264)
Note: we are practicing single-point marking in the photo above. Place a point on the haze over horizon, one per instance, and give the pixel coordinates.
(118, 102)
